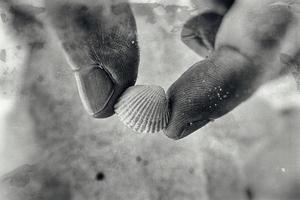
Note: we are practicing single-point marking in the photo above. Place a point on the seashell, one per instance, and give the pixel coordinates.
(143, 108)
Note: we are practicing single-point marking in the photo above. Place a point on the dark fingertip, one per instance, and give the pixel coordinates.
(92, 35)
(95, 87)
(192, 127)
(210, 89)
(171, 134)
(177, 133)
(104, 113)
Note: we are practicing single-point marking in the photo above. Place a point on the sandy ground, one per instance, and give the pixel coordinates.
(51, 149)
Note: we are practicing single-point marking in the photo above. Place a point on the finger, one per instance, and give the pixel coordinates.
(208, 90)
(215, 86)
(100, 42)
(199, 32)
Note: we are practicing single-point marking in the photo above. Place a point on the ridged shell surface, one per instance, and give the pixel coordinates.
(143, 108)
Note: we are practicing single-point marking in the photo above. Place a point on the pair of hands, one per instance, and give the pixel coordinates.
(245, 43)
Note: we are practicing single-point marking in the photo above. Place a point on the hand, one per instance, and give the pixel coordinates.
(202, 49)
(100, 41)
(249, 46)
(245, 42)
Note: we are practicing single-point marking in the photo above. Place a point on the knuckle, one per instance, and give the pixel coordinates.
(271, 24)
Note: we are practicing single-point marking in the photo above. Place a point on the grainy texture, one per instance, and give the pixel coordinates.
(54, 150)
(98, 39)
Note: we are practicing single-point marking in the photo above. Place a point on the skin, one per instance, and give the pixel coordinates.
(230, 74)
(232, 69)
(245, 59)
(253, 34)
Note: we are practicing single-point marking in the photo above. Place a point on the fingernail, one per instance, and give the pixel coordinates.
(95, 89)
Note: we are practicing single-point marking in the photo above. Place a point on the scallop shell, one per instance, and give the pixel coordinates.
(143, 108)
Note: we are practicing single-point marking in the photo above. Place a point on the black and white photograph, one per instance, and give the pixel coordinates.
(149, 99)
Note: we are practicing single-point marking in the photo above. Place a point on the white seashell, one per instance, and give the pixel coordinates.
(143, 108)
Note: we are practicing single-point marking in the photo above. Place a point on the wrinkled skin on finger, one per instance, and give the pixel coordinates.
(81, 158)
(214, 88)
(258, 35)
(100, 41)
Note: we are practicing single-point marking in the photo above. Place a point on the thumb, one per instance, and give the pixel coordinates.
(100, 42)
(210, 89)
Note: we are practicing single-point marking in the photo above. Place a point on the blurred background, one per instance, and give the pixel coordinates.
(51, 149)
